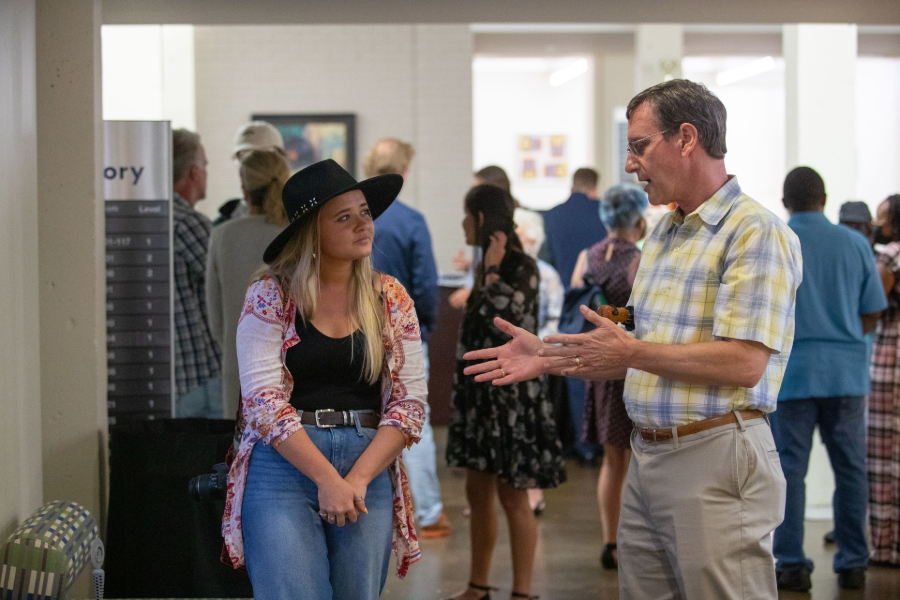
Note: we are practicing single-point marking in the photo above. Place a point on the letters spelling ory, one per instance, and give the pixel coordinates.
(114, 173)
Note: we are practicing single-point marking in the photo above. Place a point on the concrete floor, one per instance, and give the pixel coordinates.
(569, 544)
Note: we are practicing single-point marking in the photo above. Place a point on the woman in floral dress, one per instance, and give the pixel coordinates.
(504, 436)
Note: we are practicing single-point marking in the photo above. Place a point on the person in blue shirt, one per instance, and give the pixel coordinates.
(574, 225)
(402, 248)
(825, 382)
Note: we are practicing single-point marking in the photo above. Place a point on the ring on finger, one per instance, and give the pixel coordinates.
(323, 514)
(331, 518)
(577, 361)
(359, 498)
(502, 372)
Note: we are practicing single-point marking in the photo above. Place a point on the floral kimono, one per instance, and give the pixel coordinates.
(265, 332)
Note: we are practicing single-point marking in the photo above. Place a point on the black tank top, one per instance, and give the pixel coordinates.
(327, 371)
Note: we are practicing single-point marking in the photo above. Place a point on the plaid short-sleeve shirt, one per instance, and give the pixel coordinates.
(730, 269)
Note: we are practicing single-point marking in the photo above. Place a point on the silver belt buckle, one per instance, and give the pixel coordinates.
(320, 425)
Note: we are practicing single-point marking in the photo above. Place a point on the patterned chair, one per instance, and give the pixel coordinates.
(42, 558)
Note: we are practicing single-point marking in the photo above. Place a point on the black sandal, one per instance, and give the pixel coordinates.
(608, 559)
(526, 596)
(484, 588)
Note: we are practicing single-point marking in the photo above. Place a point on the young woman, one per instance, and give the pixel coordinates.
(235, 253)
(613, 263)
(505, 437)
(332, 384)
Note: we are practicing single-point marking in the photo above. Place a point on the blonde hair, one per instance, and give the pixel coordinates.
(389, 156)
(297, 270)
(263, 175)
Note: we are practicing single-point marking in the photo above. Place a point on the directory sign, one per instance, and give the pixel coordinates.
(137, 173)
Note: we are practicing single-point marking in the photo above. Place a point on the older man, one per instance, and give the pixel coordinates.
(713, 304)
(197, 355)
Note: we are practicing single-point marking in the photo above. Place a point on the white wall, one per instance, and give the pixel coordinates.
(405, 81)
(877, 129)
(148, 73)
(513, 97)
(756, 124)
(21, 486)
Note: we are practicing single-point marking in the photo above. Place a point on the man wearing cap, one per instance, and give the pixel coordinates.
(197, 356)
(855, 214)
(826, 382)
(255, 135)
(713, 306)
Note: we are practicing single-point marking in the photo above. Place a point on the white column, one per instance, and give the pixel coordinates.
(21, 486)
(71, 255)
(820, 116)
(442, 121)
(658, 51)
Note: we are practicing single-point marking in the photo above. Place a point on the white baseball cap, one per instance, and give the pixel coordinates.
(257, 135)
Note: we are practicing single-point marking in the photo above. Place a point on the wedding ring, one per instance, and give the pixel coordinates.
(577, 362)
(359, 497)
(331, 518)
(503, 372)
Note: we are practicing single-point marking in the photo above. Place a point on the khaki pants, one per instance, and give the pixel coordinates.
(698, 513)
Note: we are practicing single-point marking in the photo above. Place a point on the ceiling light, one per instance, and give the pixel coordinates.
(744, 71)
(569, 72)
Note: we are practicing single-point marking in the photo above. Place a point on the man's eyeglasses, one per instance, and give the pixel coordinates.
(637, 147)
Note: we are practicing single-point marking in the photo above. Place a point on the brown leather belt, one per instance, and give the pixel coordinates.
(327, 417)
(664, 435)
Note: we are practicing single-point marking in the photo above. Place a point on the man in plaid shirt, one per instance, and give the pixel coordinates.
(713, 305)
(197, 356)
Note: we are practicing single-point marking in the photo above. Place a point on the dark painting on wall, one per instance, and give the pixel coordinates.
(311, 138)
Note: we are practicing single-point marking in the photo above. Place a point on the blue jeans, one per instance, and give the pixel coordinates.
(421, 467)
(841, 422)
(204, 401)
(290, 551)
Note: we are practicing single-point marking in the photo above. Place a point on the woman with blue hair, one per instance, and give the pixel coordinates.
(613, 262)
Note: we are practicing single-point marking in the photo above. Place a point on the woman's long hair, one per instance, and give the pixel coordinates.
(297, 271)
(263, 175)
(496, 206)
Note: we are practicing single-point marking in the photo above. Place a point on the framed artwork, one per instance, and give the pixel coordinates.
(542, 158)
(311, 138)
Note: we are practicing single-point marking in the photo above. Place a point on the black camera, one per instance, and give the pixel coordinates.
(212, 486)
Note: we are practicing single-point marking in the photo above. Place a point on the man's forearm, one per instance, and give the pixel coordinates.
(730, 363)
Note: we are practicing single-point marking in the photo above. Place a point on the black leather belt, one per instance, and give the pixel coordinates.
(328, 417)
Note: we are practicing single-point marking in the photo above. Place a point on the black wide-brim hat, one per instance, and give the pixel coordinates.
(309, 189)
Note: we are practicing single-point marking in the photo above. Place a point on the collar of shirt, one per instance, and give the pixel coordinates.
(713, 210)
(180, 201)
(813, 217)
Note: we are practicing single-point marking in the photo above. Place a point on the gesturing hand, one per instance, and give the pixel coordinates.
(336, 501)
(599, 354)
(516, 360)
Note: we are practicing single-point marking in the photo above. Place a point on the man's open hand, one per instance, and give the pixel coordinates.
(599, 354)
(516, 360)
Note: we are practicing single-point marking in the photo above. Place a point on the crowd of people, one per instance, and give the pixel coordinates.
(304, 314)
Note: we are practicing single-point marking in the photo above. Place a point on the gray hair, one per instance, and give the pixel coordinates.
(681, 101)
(185, 152)
(533, 224)
(622, 206)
